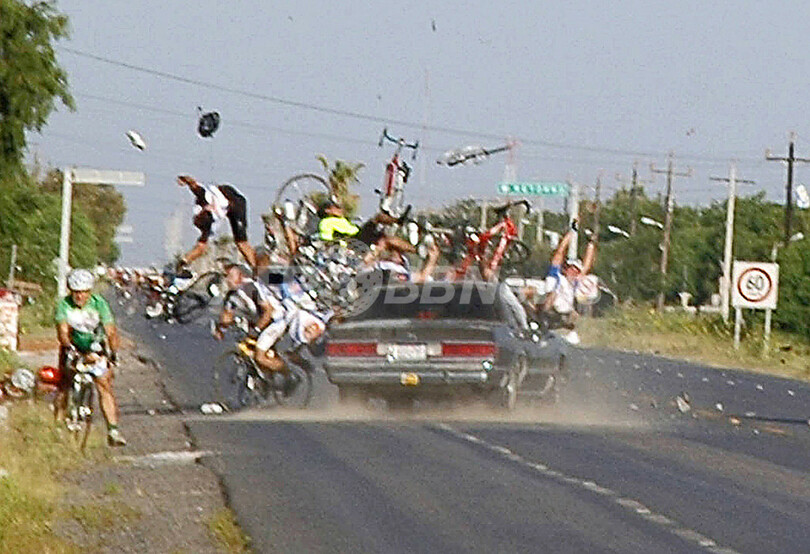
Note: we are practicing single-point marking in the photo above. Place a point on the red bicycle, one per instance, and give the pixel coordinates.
(392, 197)
(489, 255)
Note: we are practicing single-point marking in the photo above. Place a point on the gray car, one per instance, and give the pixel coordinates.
(443, 339)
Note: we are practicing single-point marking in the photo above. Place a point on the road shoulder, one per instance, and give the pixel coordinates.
(152, 495)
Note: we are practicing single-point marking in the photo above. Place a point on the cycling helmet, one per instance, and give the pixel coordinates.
(208, 124)
(23, 381)
(574, 263)
(80, 280)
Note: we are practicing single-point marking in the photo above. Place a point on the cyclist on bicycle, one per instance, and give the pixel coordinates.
(81, 317)
(563, 277)
(212, 205)
(255, 302)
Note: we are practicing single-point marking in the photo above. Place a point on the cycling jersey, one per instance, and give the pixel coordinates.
(331, 225)
(85, 320)
(247, 298)
(220, 202)
(563, 288)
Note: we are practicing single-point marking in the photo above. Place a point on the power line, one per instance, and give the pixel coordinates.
(369, 117)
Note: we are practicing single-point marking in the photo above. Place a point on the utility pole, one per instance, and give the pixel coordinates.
(725, 285)
(790, 159)
(12, 266)
(598, 206)
(670, 203)
(634, 190)
(573, 213)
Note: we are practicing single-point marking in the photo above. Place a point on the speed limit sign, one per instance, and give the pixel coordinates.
(755, 285)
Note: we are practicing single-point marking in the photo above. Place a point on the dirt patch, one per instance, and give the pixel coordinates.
(37, 344)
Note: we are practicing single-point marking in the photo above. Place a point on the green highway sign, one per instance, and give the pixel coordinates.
(540, 188)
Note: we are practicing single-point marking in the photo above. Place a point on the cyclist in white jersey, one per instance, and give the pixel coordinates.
(561, 284)
(213, 204)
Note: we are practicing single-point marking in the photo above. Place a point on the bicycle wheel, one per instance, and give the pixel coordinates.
(296, 391)
(306, 188)
(515, 254)
(235, 383)
(79, 417)
(189, 306)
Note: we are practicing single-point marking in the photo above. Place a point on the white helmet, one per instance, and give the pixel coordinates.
(80, 280)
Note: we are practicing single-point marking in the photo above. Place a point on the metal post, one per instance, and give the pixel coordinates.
(727, 250)
(737, 327)
(789, 199)
(64, 236)
(573, 213)
(634, 201)
(484, 206)
(540, 223)
(767, 338)
(12, 266)
(598, 208)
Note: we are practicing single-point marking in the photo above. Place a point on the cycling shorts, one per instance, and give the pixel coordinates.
(237, 216)
(206, 222)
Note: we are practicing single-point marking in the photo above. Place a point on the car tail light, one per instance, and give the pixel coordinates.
(351, 349)
(469, 349)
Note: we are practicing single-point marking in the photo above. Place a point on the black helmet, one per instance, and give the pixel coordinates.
(208, 124)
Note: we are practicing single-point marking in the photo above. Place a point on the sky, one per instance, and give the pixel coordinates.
(586, 87)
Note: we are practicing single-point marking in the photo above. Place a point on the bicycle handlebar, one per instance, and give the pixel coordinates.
(508, 205)
(400, 142)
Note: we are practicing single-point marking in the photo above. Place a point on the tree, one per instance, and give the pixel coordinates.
(29, 218)
(31, 80)
(341, 176)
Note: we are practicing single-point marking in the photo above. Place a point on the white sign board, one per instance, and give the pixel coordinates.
(108, 177)
(755, 285)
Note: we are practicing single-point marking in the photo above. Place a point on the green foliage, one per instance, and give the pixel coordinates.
(29, 218)
(103, 206)
(631, 266)
(341, 176)
(31, 81)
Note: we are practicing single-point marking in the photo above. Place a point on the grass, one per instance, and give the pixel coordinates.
(227, 533)
(706, 339)
(35, 453)
(36, 318)
(98, 517)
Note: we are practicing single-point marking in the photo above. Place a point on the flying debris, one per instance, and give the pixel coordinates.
(473, 153)
(208, 123)
(136, 140)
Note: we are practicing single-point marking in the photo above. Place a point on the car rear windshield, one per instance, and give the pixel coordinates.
(432, 301)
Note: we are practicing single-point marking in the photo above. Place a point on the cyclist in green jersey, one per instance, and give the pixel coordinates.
(83, 318)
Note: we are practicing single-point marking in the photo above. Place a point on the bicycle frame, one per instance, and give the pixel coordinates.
(396, 173)
(477, 243)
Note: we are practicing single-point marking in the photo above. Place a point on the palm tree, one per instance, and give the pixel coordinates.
(341, 176)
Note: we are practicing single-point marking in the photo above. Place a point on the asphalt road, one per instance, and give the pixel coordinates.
(616, 467)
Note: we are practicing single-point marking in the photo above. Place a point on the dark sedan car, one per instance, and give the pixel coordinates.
(443, 339)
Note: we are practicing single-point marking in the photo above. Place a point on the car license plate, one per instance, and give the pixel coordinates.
(409, 352)
(409, 379)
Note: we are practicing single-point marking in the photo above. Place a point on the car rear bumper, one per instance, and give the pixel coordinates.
(376, 372)
(407, 377)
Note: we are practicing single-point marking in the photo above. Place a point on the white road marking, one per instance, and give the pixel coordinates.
(634, 506)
